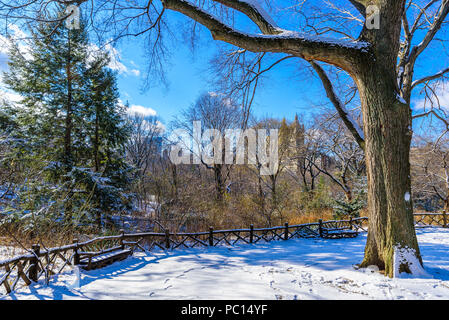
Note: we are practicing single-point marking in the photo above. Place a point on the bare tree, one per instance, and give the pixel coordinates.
(430, 168)
(216, 112)
(142, 150)
(307, 153)
(336, 142)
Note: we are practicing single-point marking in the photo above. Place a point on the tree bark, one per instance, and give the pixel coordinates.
(387, 127)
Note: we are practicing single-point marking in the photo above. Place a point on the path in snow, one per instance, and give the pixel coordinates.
(294, 269)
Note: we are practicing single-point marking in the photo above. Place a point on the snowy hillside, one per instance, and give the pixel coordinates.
(294, 269)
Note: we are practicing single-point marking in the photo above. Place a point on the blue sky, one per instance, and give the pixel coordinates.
(285, 91)
(281, 95)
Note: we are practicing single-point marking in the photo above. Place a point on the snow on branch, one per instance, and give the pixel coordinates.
(254, 10)
(429, 78)
(333, 51)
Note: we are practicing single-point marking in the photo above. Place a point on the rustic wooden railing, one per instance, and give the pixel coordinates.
(431, 219)
(43, 264)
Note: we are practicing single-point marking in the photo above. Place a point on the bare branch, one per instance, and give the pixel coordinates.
(304, 46)
(429, 78)
(436, 25)
(257, 15)
(338, 104)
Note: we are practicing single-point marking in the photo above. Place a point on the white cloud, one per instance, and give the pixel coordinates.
(161, 126)
(20, 36)
(442, 92)
(10, 96)
(17, 35)
(116, 63)
(145, 111)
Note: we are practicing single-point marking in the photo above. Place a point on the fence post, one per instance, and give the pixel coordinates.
(122, 237)
(76, 255)
(350, 223)
(286, 231)
(444, 219)
(32, 272)
(167, 238)
(211, 236)
(251, 233)
(320, 227)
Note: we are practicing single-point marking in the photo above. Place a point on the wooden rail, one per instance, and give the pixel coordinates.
(42, 264)
(431, 219)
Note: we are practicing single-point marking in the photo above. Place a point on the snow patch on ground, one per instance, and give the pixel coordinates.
(407, 256)
(293, 269)
(8, 252)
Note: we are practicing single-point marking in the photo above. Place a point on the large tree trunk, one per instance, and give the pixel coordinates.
(387, 127)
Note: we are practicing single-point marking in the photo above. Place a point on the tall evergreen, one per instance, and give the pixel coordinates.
(70, 121)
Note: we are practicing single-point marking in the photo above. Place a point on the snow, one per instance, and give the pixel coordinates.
(401, 99)
(293, 269)
(407, 196)
(405, 255)
(7, 252)
(359, 45)
(257, 6)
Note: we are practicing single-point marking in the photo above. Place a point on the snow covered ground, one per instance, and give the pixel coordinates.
(294, 269)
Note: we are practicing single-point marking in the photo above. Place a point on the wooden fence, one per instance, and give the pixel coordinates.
(43, 264)
(431, 219)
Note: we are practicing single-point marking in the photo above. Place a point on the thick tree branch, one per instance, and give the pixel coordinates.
(360, 5)
(335, 52)
(256, 14)
(338, 105)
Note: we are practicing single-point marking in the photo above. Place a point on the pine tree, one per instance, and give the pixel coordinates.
(108, 133)
(70, 121)
(344, 209)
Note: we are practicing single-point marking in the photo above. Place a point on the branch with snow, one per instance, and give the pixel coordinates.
(309, 47)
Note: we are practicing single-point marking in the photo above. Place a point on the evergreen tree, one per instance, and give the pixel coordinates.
(70, 122)
(108, 133)
(343, 209)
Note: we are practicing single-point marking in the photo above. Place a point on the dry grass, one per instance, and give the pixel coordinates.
(14, 241)
(310, 217)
